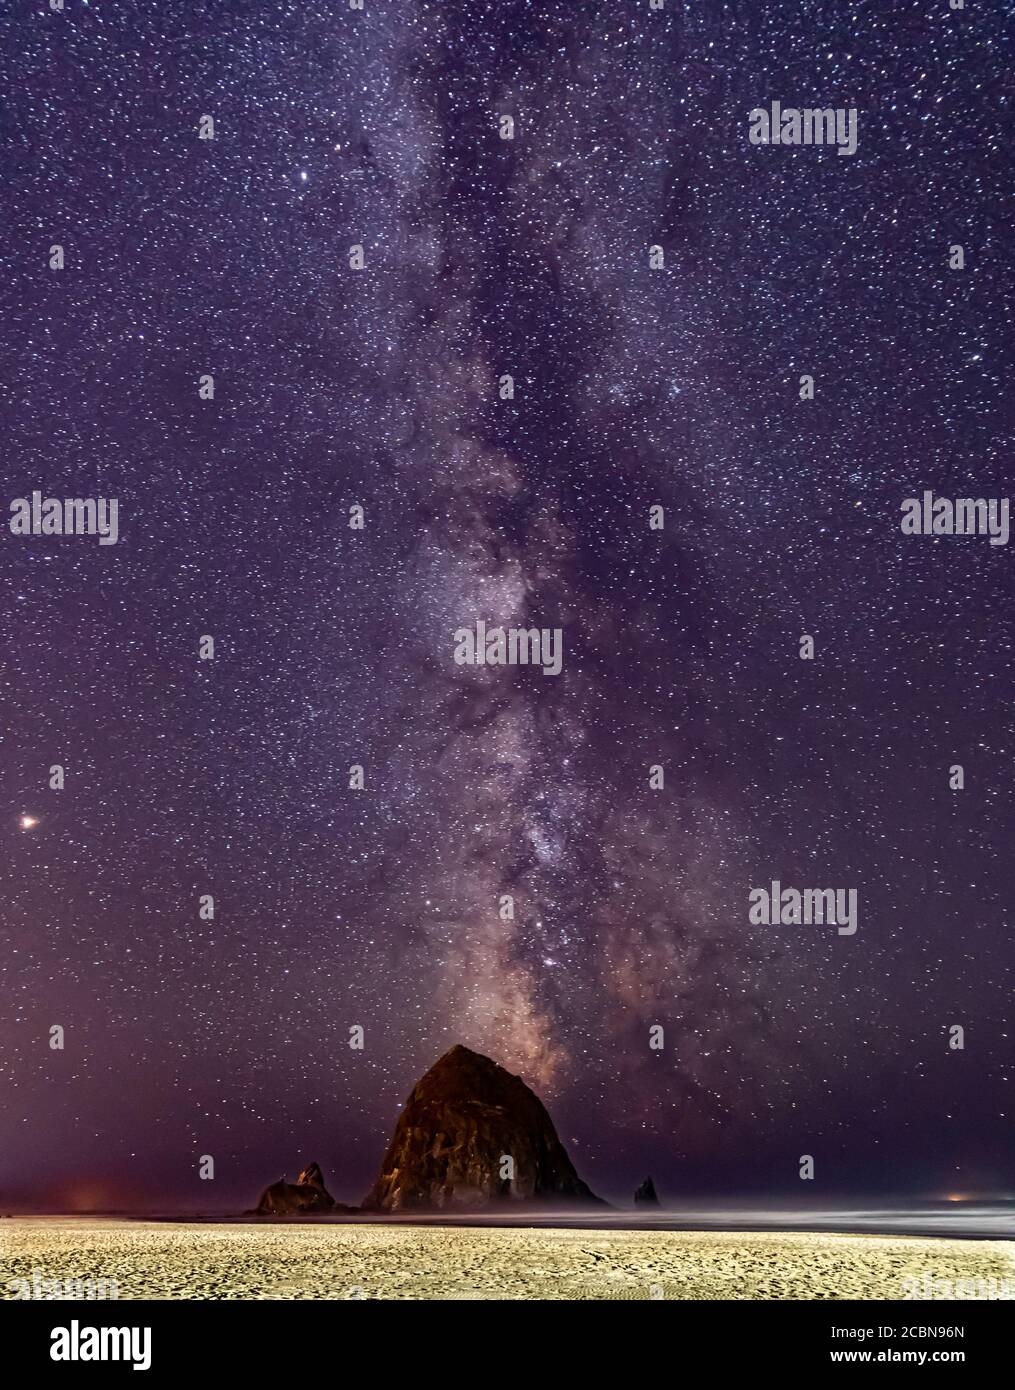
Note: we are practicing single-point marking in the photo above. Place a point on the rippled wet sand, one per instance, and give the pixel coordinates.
(209, 1261)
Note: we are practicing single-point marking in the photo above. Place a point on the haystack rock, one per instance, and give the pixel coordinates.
(645, 1195)
(306, 1194)
(472, 1135)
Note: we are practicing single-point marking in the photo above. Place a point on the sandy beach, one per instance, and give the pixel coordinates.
(200, 1260)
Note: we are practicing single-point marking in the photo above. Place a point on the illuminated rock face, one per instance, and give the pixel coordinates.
(307, 1193)
(471, 1136)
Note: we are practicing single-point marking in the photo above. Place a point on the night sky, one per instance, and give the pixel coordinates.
(634, 387)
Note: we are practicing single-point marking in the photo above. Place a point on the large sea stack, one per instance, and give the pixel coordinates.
(471, 1135)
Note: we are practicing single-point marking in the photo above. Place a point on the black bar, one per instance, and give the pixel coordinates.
(201, 1339)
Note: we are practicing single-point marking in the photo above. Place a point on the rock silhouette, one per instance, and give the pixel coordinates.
(472, 1135)
(306, 1194)
(645, 1195)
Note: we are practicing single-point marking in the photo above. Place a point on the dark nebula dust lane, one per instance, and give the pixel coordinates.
(510, 390)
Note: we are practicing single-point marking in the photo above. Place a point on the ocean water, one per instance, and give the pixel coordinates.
(958, 1220)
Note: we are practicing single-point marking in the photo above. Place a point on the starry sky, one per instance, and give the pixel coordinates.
(634, 387)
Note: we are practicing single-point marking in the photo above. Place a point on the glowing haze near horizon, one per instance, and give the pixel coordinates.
(633, 387)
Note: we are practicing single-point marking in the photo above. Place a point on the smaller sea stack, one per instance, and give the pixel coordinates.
(306, 1194)
(645, 1195)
